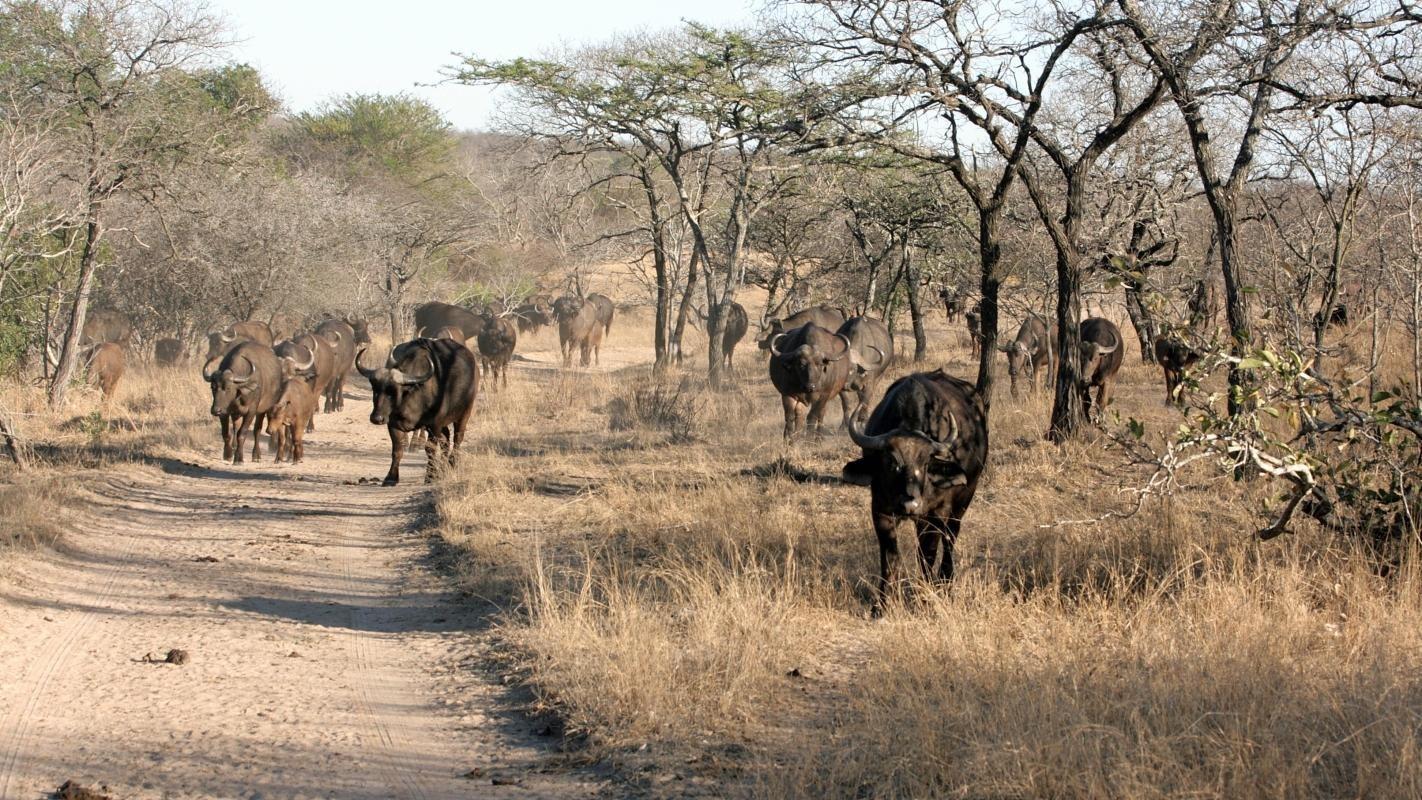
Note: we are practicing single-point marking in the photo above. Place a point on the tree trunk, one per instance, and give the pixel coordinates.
(989, 257)
(693, 274)
(1141, 320)
(69, 355)
(920, 336)
(1236, 306)
(1068, 408)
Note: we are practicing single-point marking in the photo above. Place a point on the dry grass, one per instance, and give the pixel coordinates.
(696, 604)
(155, 413)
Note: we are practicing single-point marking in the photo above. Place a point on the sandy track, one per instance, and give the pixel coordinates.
(326, 659)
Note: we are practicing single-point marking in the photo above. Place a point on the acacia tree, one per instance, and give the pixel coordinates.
(936, 59)
(119, 73)
(706, 106)
(1232, 67)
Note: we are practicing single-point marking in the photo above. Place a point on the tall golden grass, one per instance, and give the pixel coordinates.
(692, 597)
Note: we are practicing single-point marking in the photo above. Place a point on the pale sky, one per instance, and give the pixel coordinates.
(310, 50)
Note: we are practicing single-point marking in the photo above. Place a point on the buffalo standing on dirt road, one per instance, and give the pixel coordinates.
(219, 343)
(924, 448)
(291, 416)
(429, 385)
(342, 338)
(828, 318)
(809, 366)
(1101, 357)
(580, 328)
(496, 347)
(1029, 352)
(106, 365)
(313, 361)
(873, 349)
(245, 385)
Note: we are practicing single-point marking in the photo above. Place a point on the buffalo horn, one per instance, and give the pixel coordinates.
(1109, 350)
(774, 347)
(310, 362)
(251, 370)
(864, 440)
(881, 357)
(228, 335)
(400, 377)
(848, 349)
(368, 373)
(210, 368)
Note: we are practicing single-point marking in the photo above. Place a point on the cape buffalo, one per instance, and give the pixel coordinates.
(578, 327)
(874, 349)
(221, 342)
(106, 364)
(429, 385)
(1174, 356)
(1338, 316)
(733, 331)
(828, 318)
(604, 307)
(245, 384)
(534, 313)
(343, 340)
(924, 448)
(1101, 356)
(313, 360)
(1029, 352)
(105, 325)
(953, 302)
(169, 352)
(290, 416)
(809, 366)
(434, 315)
(496, 346)
(974, 322)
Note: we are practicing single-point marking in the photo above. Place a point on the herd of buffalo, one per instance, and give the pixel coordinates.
(923, 446)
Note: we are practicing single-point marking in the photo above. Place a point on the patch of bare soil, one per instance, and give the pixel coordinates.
(305, 646)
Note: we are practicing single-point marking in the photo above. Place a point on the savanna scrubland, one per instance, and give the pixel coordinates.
(1216, 599)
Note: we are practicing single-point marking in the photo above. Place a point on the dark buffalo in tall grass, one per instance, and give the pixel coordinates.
(1031, 351)
(496, 348)
(169, 352)
(1174, 357)
(810, 366)
(1101, 356)
(578, 328)
(105, 325)
(924, 448)
(873, 349)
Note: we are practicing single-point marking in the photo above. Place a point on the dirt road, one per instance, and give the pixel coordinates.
(323, 657)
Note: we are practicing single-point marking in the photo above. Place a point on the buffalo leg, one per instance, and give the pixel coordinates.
(226, 437)
(397, 449)
(928, 537)
(278, 443)
(296, 447)
(817, 416)
(243, 425)
(435, 445)
(788, 404)
(261, 421)
(886, 529)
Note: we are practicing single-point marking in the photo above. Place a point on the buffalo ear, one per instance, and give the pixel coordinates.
(945, 474)
(859, 472)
